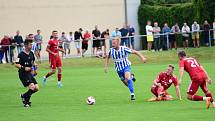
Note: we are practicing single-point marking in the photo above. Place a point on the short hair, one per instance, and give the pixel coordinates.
(28, 41)
(54, 31)
(117, 38)
(171, 65)
(30, 34)
(181, 53)
(63, 32)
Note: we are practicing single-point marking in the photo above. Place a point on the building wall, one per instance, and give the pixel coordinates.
(62, 15)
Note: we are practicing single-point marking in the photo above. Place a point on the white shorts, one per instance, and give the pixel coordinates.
(78, 44)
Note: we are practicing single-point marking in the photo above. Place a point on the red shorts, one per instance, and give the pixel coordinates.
(154, 90)
(55, 62)
(194, 86)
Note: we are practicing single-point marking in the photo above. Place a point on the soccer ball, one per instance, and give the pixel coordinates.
(91, 100)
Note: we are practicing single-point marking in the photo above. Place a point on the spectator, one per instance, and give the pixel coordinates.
(78, 36)
(1, 54)
(96, 39)
(12, 48)
(185, 34)
(115, 33)
(19, 41)
(214, 31)
(131, 31)
(66, 43)
(156, 30)
(149, 34)
(175, 30)
(5, 42)
(195, 34)
(166, 40)
(124, 33)
(38, 40)
(206, 28)
(105, 35)
(85, 41)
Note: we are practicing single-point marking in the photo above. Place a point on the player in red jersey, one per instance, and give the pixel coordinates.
(162, 83)
(198, 76)
(54, 58)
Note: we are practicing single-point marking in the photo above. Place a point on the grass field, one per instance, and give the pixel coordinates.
(85, 77)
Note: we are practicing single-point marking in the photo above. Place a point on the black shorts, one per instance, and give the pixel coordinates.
(185, 38)
(84, 46)
(26, 78)
(96, 43)
(102, 42)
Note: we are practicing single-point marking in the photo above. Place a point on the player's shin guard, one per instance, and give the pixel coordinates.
(197, 98)
(59, 76)
(27, 95)
(130, 86)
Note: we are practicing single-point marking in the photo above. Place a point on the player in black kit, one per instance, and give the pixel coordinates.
(24, 63)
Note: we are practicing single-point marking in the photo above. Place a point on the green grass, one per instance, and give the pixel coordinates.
(85, 77)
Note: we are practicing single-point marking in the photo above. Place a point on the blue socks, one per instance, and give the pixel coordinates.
(130, 86)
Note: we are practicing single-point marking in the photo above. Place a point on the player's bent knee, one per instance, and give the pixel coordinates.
(189, 97)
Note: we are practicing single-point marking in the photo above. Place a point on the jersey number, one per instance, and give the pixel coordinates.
(193, 63)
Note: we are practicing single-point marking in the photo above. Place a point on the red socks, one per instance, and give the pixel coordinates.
(197, 98)
(59, 76)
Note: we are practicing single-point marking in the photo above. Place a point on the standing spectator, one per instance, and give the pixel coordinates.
(124, 33)
(166, 40)
(105, 36)
(185, 34)
(19, 41)
(1, 54)
(85, 41)
(38, 40)
(5, 42)
(96, 39)
(206, 28)
(12, 48)
(156, 30)
(149, 34)
(195, 34)
(78, 37)
(66, 43)
(115, 33)
(175, 30)
(131, 31)
(214, 30)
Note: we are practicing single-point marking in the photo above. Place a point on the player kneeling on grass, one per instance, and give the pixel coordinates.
(24, 63)
(162, 83)
(122, 65)
(199, 77)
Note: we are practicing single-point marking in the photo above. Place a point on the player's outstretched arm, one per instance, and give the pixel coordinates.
(181, 72)
(106, 64)
(139, 55)
(208, 78)
(178, 93)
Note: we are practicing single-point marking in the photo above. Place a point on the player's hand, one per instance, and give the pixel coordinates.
(55, 54)
(209, 81)
(27, 69)
(143, 60)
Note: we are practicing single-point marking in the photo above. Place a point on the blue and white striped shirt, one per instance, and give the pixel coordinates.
(34, 47)
(120, 57)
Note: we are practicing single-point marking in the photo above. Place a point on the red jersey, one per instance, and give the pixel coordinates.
(86, 38)
(192, 67)
(54, 46)
(167, 80)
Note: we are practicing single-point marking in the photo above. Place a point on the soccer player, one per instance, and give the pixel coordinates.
(163, 81)
(24, 63)
(122, 65)
(54, 58)
(198, 76)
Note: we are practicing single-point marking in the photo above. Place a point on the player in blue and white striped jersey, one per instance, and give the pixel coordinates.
(122, 65)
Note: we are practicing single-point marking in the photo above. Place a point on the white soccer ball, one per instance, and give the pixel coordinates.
(91, 100)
